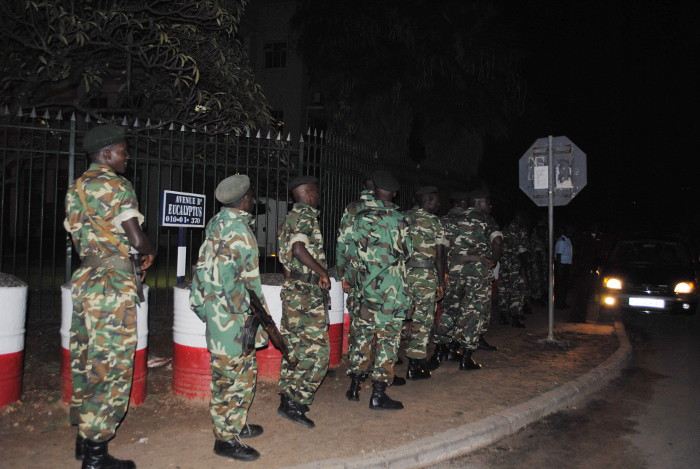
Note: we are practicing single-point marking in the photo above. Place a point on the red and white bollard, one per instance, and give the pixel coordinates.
(12, 321)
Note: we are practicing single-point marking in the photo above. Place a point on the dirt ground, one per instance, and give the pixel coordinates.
(170, 432)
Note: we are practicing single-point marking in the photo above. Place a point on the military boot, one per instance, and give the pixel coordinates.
(295, 412)
(439, 356)
(380, 400)
(97, 457)
(454, 354)
(416, 370)
(79, 447)
(353, 394)
(468, 362)
(235, 449)
(483, 345)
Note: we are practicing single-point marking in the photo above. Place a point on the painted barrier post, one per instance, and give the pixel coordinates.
(13, 298)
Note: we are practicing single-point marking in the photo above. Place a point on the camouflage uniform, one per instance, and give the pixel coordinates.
(103, 326)
(512, 288)
(378, 246)
(426, 233)
(227, 266)
(468, 297)
(304, 324)
(539, 270)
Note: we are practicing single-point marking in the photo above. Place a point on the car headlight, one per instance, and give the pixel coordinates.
(612, 283)
(684, 287)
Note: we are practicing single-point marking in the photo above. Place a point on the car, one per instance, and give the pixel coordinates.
(649, 274)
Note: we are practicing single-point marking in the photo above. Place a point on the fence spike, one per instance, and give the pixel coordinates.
(267, 136)
(247, 132)
(87, 118)
(33, 114)
(112, 118)
(136, 123)
(6, 111)
(321, 134)
(172, 126)
(47, 116)
(308, 131)
(19, 112)
(59, 116)
(315, 133)
(301, 139)
(72, 117)
(289, 136)
(160, 122)
(125, 122)
(279, 136)
(258, 135)
(182, 129)
(148, 122)
(205, 127)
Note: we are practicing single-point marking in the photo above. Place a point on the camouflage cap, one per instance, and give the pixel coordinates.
(426, 190)
(102, 137)
(232, 189)
(481, 193)
(385, 181)
(457, 196)
(301, 180)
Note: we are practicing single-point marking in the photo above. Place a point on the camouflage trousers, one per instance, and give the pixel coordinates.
(512, 291)
(102, 347)
(374, 343)
(305, 333)
(423, 289)
(232, 391)
(466, 307)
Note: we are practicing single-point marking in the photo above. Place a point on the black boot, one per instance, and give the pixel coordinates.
(439, 356)
(416, 370)
(398, 381)
(97, 457)
(295, 412)
(483, 345)
(250, 430)
(353, 393)
(79, 447)
(380, 400)
(468, 362)
(454, 354)
(235, 449)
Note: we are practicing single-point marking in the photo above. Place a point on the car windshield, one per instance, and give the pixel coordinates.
(650, 252)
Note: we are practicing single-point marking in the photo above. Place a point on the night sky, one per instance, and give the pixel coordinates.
(618, 79)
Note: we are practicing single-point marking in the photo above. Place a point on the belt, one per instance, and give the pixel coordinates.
(115, 262)
(311, 277)
(415, 264)
(466, 258)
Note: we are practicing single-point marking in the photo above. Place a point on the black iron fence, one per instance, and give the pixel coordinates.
(40, 154)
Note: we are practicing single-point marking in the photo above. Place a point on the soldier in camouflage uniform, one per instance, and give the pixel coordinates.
(304, 308)
(378, 247)
(103, 218)
(539, 260)
(426, 276)
(513, 281)
(475, 247)
(227, 267)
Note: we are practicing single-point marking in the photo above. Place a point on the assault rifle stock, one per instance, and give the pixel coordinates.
(260, 317)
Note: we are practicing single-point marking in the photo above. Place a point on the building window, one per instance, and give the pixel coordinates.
(275, 55)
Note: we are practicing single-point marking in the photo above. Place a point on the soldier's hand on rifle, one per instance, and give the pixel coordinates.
(346, 286)
(146, 262)
(440, 293)
(325, 282)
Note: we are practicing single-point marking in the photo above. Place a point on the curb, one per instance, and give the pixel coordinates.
(475, 435)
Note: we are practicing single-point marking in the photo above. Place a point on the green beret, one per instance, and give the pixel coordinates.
(301, 180)
(385, 181)
(102, 137)
(232, 189)
(457, 196)
(426, 190)
(482, 193)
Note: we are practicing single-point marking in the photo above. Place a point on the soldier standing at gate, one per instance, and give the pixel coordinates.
(475, 247)
(227, 267)
(426, 276)
(304, 308)
(103, 218)
(378, 248)
(513, 278)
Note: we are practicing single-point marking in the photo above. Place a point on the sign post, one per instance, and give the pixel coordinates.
(182, 210)
(552, 172)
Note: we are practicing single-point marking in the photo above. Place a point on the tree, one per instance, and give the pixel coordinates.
(424, 78)
(179, 61)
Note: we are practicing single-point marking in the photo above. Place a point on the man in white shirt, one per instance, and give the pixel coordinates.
(563, 255)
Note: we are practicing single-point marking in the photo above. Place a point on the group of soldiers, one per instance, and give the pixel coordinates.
(394, 266)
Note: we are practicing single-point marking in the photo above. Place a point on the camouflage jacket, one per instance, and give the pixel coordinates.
(378, 247)
(515, 242)
(470, 234)
(341, 247)
(111, 199)
(302, 225)
(227, 266)
(426, 233)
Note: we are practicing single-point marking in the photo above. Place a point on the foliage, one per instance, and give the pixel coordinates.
(178, 61)
(424, 77)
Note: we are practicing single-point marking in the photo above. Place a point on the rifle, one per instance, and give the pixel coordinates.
(260, 317)
(136, 262)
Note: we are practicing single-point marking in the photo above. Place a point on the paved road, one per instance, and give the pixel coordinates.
(648, 418)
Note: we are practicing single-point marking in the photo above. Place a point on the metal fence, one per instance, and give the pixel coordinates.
(41, 154)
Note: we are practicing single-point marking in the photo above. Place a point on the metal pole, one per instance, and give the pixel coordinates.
(181, 255)
(550, 169)
(71, 176)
